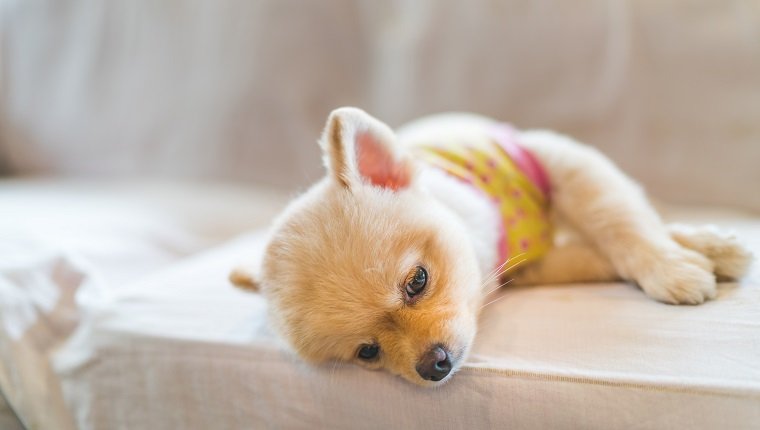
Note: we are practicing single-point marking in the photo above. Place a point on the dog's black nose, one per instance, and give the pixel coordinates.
(435, 364)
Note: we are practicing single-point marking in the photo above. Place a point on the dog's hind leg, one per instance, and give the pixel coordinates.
(575, 262)
(581, 262)
(613, 214)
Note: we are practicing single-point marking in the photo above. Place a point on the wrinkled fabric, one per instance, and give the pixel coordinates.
(186, 350)
(111, 340)
(67, 247)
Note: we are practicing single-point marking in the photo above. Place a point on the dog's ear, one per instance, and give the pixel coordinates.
(243, 278)
(359, 149)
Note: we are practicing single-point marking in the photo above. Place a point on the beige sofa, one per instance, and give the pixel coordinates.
(147, 145)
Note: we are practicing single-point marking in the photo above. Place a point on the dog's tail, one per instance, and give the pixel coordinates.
(243, 278)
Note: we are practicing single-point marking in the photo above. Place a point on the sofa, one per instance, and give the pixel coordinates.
(146, 147)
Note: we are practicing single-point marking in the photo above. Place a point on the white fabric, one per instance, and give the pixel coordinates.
(181, 348)
(239, 89)
(69, 245)
(8, 419)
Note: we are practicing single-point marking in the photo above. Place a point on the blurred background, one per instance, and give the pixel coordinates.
(239, 90)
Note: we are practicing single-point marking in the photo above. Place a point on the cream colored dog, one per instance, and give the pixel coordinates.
(385, 261)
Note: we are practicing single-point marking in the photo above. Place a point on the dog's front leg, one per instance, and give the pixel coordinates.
(613, 213)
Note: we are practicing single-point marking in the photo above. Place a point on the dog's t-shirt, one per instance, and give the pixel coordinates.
(511, 178)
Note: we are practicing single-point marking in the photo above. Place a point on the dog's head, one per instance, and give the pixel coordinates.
(366, 267)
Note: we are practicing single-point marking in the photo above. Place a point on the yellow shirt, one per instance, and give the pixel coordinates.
(511, 178)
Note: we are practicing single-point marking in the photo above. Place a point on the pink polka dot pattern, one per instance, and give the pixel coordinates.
(496, 168)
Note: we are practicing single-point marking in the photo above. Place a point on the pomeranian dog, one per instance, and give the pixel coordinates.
(385, 261)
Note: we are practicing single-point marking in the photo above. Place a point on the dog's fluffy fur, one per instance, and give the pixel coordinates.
(339, 257)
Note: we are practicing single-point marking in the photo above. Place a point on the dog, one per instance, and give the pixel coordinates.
(385, 262)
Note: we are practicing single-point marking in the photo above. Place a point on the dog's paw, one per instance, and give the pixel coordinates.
(730, 257)
(677, 275)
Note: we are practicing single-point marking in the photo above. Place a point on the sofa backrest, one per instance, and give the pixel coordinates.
(240, 90)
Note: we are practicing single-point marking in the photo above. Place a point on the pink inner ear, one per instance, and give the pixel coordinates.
(376, 163)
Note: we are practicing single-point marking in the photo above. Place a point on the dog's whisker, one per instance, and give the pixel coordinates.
(494, 273)
(501, 270)
(499, 286)
(510, 268)
(506, 270)
(493, 301)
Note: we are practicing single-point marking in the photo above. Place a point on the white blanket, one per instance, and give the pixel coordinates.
(67, 246)
(173, 345)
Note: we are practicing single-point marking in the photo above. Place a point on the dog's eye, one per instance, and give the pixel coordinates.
(369, 352)
(417, 283)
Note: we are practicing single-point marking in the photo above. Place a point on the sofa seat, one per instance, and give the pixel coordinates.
(171, 344)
